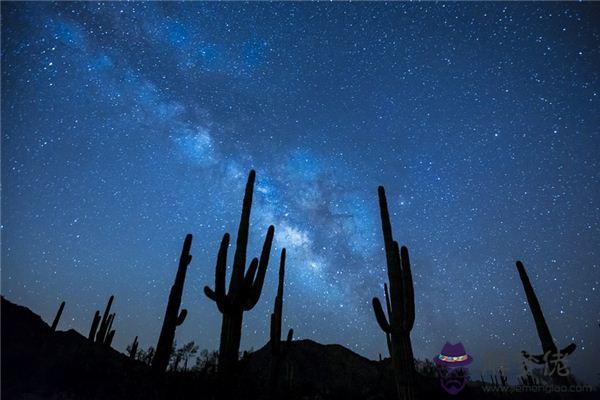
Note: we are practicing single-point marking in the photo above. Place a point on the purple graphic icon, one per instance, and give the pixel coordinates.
(452, 362)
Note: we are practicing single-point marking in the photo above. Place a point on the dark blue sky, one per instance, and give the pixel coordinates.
(126, 126)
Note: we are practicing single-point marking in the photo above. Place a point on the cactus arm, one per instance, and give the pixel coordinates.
(568, 350)
(290, 336)
(380, 315)
(250, 275)
(133, 350)
(388, 308)
(386, 292)
(58, 315)
(108, 307)
(182, 314)
(208, 292)
(221, 267)
(407, 290)
(241, 245)
(109, 337)
(264, 261)
(111, 319)
(254, 294)
(218, 295)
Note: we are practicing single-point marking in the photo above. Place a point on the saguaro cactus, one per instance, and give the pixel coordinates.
(400, 306)
(104, 329)
(278, 351)
(244, 288)
(552, 357)
(133, 349)
(57, 317)
(173, 317)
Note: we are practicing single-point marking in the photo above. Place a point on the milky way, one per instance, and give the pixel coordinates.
(126, 126)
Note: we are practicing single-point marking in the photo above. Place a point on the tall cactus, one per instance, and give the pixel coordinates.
(245, 287)
(278, 351)
(173, 317)
(551, 357)
(57, 317)
(401, 307)
(103, 329)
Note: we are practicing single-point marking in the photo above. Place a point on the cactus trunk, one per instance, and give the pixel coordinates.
(552, 357)
(57, 317)
(173, 317)
(231, 336)
(400, 307)
(245, 286)
(538, 316)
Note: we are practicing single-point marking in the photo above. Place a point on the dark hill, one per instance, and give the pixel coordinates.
(314, 368)
(38, 363)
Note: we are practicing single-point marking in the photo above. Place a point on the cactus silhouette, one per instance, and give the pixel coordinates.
(94, 327)
(400, 306)
(552, 357)
(173, 317)
(133, 348)
(106, 323)
(278, 350)
(388, 308)
(276, 316)
(244, 288)
(57, 317)
(503, 378)
(110, 335)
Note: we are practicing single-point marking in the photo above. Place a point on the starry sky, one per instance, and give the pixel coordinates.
(126, 126)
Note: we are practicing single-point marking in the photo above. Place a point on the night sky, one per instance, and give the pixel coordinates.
(126, 126)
